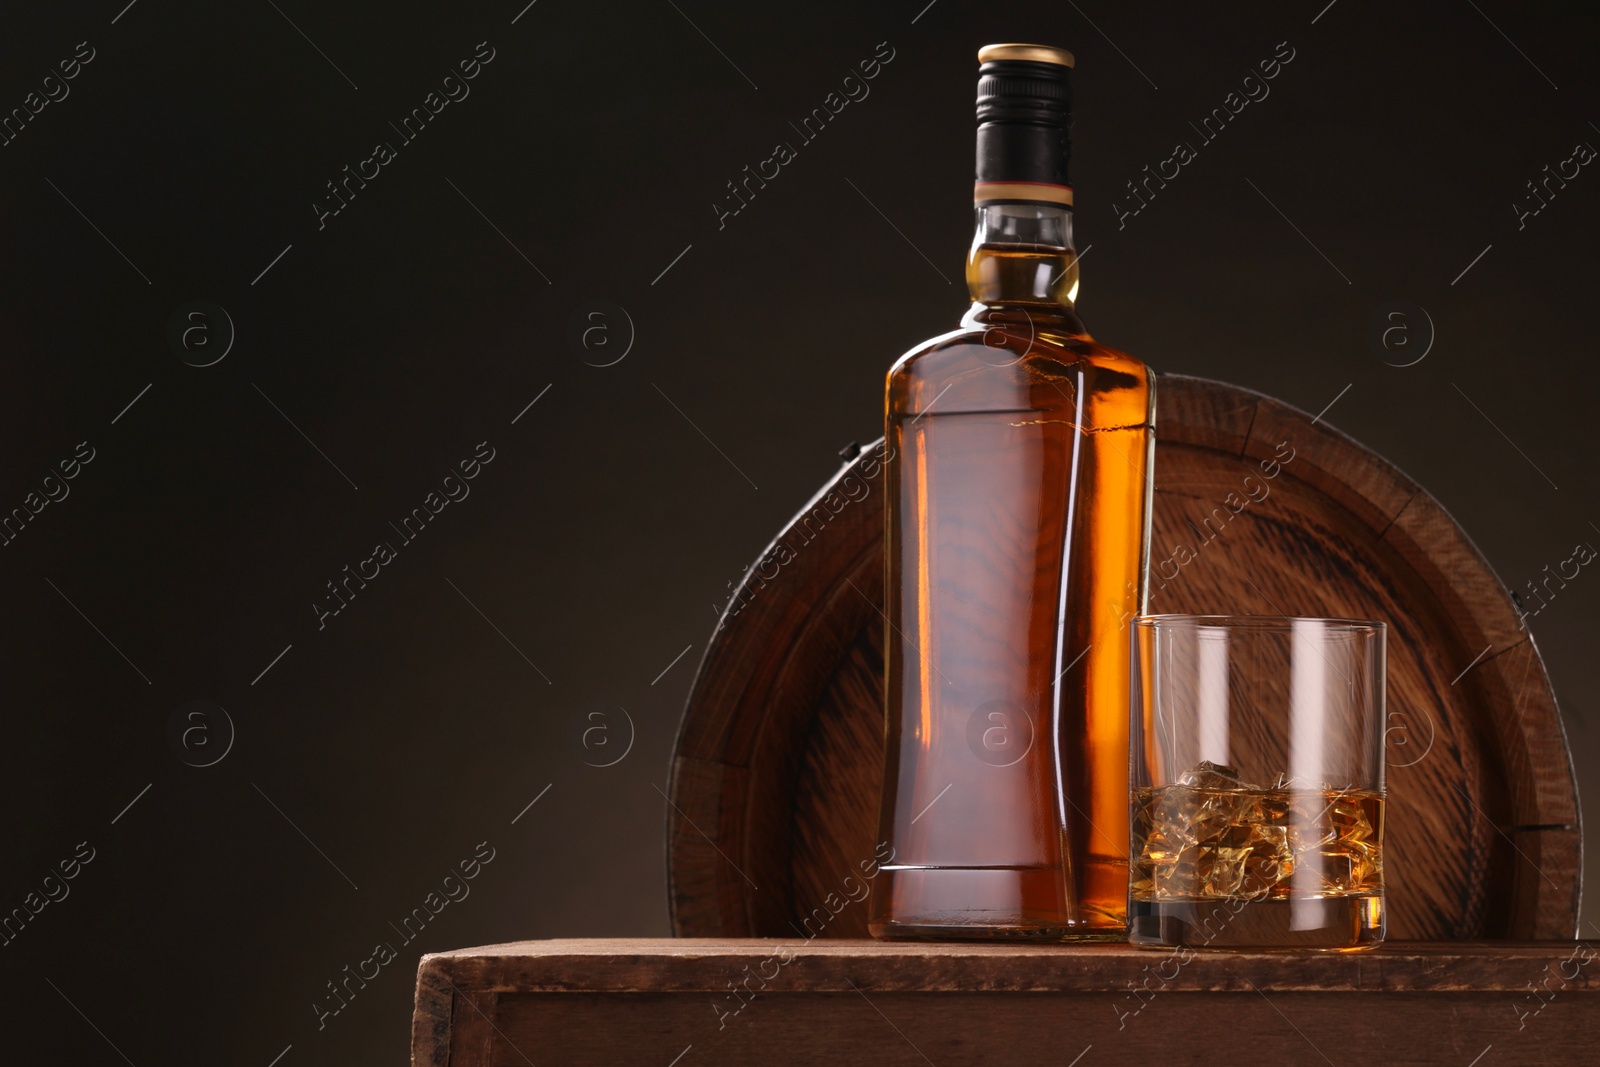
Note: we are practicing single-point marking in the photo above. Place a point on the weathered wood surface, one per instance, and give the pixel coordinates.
(648, 1001)
(779, 757)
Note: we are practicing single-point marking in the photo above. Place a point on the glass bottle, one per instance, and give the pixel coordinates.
(1017, 542)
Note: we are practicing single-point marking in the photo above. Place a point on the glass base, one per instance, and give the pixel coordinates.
(1334, 924)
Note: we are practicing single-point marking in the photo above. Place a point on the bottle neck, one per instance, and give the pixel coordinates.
(1022, 254)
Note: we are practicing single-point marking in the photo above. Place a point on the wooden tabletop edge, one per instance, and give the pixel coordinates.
(697, 947)
(785, 966)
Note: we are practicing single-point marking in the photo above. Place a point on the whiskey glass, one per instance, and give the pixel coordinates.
(1256, 782)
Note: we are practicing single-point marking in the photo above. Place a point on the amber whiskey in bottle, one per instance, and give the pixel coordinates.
(1017, 550)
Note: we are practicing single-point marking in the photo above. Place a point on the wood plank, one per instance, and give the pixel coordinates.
(705, 889)
(700, 964)
(670, 1002)
(430, 1021)
(1204, 413)
(1372, 490)
(1551, 903)
(1059, 1030)
(835, 805)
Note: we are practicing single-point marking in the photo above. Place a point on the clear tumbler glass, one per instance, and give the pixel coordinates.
(1256, 782)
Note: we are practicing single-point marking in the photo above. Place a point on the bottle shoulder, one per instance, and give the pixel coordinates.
(1015, 363)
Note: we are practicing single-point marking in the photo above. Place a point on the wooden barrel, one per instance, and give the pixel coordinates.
(1259, 509)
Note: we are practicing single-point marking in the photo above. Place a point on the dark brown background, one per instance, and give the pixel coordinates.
(608, 525)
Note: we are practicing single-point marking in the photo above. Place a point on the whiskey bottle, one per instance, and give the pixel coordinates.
(1016, 553)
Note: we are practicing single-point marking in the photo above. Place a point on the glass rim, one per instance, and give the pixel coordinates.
(1263, 622)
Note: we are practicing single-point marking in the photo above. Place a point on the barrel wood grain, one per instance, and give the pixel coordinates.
(779, 757)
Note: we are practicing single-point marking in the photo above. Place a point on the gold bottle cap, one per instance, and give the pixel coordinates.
(1037, 53)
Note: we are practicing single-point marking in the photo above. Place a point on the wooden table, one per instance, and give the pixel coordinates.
(691, 1001)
